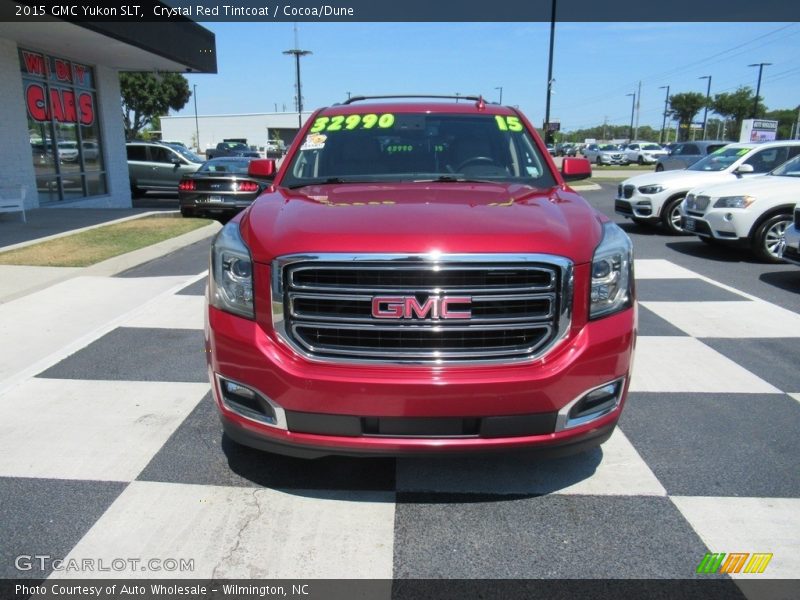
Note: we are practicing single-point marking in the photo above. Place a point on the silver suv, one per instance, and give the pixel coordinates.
(159, 166)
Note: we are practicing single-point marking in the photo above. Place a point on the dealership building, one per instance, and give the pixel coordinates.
(60, 106)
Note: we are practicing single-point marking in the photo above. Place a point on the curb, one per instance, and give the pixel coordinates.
(120, 263)
(586, 188)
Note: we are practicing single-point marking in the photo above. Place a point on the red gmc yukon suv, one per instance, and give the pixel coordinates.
(420, 280)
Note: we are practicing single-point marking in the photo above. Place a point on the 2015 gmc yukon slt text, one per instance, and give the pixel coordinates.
(420, 279)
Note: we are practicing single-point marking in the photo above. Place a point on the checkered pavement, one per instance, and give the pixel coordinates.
(110, 447)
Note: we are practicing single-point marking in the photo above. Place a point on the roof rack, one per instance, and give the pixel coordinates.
(360, 98)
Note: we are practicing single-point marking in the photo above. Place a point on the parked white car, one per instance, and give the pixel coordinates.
(644, 153)
(754, 211)
(790, 251)
(655, 198)
(67, 151)
(605, 154)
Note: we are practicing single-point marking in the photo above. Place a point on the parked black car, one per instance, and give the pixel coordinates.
(222, 187)
(230, 148)
(566, 149)
(685, 154)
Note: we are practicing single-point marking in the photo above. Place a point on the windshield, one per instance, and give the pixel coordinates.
(651, 147)
(720, 160)
(608, 147)
(187, 154)
(417, 147)
(790, 168)
(236, 167)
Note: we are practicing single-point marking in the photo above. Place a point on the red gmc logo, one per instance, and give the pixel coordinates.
(408, 307)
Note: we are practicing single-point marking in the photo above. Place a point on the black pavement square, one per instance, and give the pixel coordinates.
(651, 324)
(549, 537)
(717, 444)
(138, 354)
(190, 260)
(47, 517)
(199, 453)
(198, 288)
(775, 360)
(683, 290)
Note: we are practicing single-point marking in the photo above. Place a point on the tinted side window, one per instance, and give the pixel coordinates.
(137, 153)
(714, 148)
(766, 160)
(162, 155)
(793, 151)
(691, 149)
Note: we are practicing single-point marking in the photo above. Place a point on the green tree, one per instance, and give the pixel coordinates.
(685, 106)
(145, 96)
(735, 107)
(786, 118)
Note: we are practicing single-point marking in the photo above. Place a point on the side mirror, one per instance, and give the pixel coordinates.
(574, 169)
(176, 161)
(264, 168)
(744, 169)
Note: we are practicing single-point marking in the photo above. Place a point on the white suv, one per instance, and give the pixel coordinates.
(656, 197)
(790, 250)
(644, 153)
(756, 211)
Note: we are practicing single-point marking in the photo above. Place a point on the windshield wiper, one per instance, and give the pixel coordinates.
(328, 180)
(455, 179)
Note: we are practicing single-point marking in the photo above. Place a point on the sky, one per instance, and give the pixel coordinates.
(595, 65)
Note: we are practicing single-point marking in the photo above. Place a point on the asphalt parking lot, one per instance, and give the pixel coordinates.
(112, 447)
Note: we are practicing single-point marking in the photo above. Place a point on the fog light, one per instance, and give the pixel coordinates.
(247, 402)
(592, 405)
(728, 217)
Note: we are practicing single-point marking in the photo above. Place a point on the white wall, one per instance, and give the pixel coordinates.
(16, 164)
(215, 128)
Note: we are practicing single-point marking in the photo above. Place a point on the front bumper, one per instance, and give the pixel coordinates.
(329, 401)
(605, 159)
(724, 225)
(791, 249)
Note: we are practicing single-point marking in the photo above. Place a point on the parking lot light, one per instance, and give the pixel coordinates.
(633, 108)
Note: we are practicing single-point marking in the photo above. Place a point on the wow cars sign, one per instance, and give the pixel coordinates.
(62, 104)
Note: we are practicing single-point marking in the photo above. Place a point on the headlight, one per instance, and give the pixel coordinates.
(612, 273)
(734, 202)
(231, 280)
(651, 189)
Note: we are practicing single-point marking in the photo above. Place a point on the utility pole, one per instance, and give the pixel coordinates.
(638, 104)
(633, 108)
(297, 53)
(196, 122)
(605, 125)
(664, 120)
(548, 136)
(501, 94)
(758, 85)
(797, 126)
(708, 96)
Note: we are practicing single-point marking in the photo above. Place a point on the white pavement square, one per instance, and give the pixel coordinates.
(172, 312)
(95, 430)
(246, 533)
(621, 471)
(684, 364)
(657, 268)
(753, 525)
(749, 319)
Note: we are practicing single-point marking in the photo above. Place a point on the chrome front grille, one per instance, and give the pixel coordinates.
(517, 306)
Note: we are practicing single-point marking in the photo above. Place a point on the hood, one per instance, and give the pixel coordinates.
(681, 179)
(419, 218)
(758, 186)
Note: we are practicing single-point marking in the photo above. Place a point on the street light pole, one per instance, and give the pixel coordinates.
(758, 85)
(664, 120)
(297, 53)
(548, 136)
(708, 97)
(633, 108)
(196, 121)
(501, 93)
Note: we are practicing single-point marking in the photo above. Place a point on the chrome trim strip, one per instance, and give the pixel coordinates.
(280, 415)
(562, 420)
(544, 262)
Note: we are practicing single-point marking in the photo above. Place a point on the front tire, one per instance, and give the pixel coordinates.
(640, 160)
(671, 216)
(659, 168)
(768, 237)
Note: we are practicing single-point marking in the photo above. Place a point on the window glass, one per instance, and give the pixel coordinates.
(691, 149)
(721, 159)
(62, 124)
(137, 152)
(767, 159)
(160, 154)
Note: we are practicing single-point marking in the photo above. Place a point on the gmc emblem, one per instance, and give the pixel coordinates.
(408, 307)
